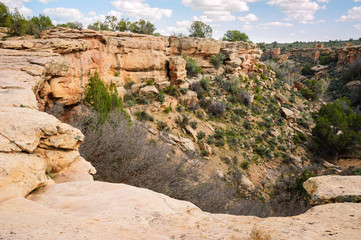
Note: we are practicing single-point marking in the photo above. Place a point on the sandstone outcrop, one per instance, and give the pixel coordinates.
(67, 56)
(331, 221)
(329, 189)
(342, 55)
(96, 210)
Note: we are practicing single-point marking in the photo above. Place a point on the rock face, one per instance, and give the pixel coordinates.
(342, 55)
(67, 56)
(331, 221)
(96, 210)
(328, 189)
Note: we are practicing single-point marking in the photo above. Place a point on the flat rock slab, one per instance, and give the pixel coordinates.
(332, 221)
(329, 189)
(97, 210)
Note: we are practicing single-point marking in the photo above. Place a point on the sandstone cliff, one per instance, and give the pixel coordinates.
(66, 57)
(46, 190)
(342, 55)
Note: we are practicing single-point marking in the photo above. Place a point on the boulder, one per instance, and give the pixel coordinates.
(328, 189)
(192, 132)
(282, 99)
(189, 98)
(205, 147)
(287, 113)
(148, 90)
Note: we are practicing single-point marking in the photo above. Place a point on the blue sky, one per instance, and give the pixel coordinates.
(261, 20)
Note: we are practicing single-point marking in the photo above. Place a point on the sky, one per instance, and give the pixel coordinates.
(262, 20)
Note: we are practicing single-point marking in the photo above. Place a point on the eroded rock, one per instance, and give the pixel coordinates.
(329, 189)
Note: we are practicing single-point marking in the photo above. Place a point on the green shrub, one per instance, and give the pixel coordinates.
(192, 67)
(141, 100)
(150, 82)
(205, 153)
(325, 59)
(217, 60)
(245, 165)
(200, 135)
(160, 97)
(167, 110)
(172, 90)
(193, 124)
(144, 116)
(337, 128)
(102, 98)
(309, 94)
(162, 125)
(306, 70)
(184, 91)
(182, 120)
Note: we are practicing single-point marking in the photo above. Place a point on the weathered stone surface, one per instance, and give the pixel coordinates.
(20, 173)
(205, 147)
(148, 90)
(192, 132)
(328, 189)
(287, 114)
(185, 143)
(177, 66)
(36, 128)
(77, 171)
(331, 221)
(92, 210)
(283, 99)
(189, 98)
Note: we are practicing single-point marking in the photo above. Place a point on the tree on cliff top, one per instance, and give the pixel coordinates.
(4, 15)
(234, 36)
(200, 29)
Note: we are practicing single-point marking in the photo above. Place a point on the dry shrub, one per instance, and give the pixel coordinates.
(122, 153)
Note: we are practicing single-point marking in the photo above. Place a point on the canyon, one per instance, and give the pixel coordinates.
(46, 187)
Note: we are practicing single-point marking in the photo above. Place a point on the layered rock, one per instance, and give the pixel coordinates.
(329, 189)
(67, 56)
(332, 221)
(342, 55)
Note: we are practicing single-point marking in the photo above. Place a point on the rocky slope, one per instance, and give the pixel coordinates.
(341, 55)
(46, 190)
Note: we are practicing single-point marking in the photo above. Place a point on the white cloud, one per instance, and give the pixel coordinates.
(63, 15)
(218, 10)
(354, 14)
(181, 27)
(357, 0)
(358, 26)
(248, 18)
(139, 9)
(210, 16)
(92, 13)
(313, 22)
(45, 1)
(116, 14)
(217, 5)
(19, 4)
(277, 24)
(298, 10)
